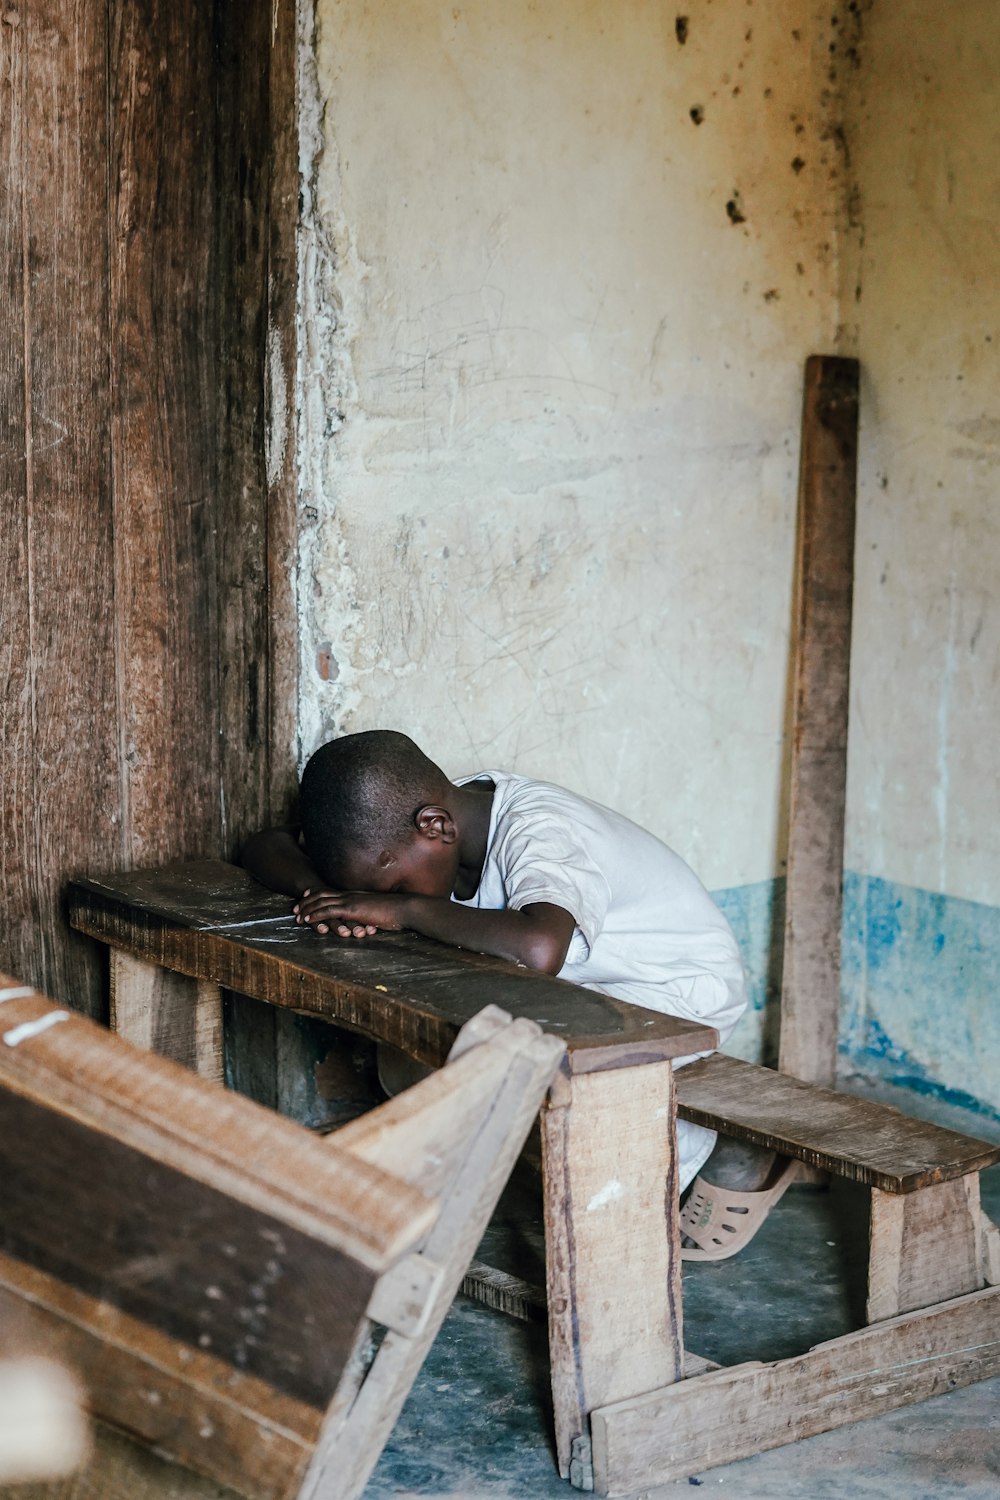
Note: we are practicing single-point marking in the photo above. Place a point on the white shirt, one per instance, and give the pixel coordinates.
(646, 930)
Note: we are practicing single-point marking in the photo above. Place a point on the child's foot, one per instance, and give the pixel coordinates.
(736, 1164)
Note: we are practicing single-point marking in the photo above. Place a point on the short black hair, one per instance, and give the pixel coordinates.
(359, 793)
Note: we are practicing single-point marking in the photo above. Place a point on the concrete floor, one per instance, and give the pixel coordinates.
(477, 1425)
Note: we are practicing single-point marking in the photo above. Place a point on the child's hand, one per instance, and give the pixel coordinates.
(356, 914)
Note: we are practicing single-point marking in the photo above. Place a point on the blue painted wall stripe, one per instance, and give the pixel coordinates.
(920, 985)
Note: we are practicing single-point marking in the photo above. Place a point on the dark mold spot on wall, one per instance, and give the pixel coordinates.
(734, 208)
(681, 28)
(697, 113)
(772, 294)
(797, 165)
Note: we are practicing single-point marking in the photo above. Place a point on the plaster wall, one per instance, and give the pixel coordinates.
(922, 919)
(560, 267)
(575, 254)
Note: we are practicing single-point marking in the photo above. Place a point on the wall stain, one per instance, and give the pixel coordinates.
(734, 208)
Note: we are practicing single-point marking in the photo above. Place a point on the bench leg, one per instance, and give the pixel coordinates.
(167, 1013)
(611, 1246)
(925, 1247)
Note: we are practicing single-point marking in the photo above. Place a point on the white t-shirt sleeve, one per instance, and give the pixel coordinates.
(542, 859)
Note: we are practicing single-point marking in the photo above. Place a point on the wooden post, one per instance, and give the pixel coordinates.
(924, 1247)
(611, 1209)
(167, 1013)
(810, 993)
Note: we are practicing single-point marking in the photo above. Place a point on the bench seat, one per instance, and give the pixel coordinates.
(854, 1138)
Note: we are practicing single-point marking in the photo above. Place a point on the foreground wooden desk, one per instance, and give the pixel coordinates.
(180, 934)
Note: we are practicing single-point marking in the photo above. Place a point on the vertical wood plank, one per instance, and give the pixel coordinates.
(258, 189)
(810, 993)
(167, 1013)
(282, 511)
(242, 48)
(611, 1232)
(164, 361)
(924, 1247)
(18, 864)
(64, 709)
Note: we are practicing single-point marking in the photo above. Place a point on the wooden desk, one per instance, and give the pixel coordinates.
(179, 935)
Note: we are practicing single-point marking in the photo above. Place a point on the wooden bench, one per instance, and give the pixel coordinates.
(213, 1272)
(612, 1237)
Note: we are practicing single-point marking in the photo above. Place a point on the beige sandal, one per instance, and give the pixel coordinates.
(722, 1220)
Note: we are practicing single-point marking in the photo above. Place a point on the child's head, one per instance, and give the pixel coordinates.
(375, 815)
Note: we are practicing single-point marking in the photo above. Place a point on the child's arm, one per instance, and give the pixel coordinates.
(276, 858)
(537, 936)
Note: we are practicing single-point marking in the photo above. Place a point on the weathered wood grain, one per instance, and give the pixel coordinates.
(510, 1080)
(18, 791)
(611, 1225)
(122, 1469)
(924, 1248)
(242, 54)
(164, 361)
(167, 1013)
(248, 1233)
(153, 1105)
(854, 1138)
(396, 987)
(184, 1402)
(280, 405)
(810, 990)
(59, 791)
(730, 1414)
(135, 233)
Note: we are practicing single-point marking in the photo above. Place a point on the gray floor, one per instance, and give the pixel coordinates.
(477, 1425)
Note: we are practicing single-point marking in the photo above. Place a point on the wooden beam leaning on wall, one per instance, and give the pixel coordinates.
(810, 990)
(213, 1271)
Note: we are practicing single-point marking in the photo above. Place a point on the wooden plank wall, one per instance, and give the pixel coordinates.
(139, 531)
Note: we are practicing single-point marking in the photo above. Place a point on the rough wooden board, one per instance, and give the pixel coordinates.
(924, 1248)
(434, 1118)
(355, 1432)
(164, 355)
(810, 991)
(241, 78)
(611, 1226)
(731, 1414)
(282, 293)
(182, 1401)
(177, 1253)
(167, 1013)
(154, 1106)
(58, 793)
(504, 1292)
(396, 987)
(854, 1138)
(990, 1250)
(123, 1469)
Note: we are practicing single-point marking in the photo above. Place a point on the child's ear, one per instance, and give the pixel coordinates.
(436, 823)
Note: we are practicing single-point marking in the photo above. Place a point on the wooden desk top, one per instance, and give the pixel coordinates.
(396, 987)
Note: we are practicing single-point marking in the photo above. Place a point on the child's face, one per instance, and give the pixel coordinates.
(420, 866)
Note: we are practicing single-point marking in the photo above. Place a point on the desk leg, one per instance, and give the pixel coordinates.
(167, 1013)
(611, 1245)
(925, 1247)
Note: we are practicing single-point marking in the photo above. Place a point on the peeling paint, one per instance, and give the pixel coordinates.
(609, 1193)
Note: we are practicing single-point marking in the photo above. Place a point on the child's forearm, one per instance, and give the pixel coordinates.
(275, 858)
(535, 936)
(538, 936)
